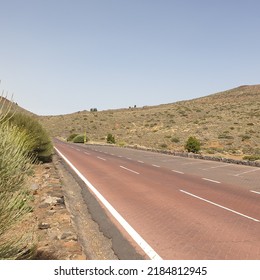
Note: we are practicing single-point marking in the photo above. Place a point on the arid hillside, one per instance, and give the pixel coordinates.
(7, 105)
(226, 123)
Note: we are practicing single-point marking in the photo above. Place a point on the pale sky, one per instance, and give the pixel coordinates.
(62, 56)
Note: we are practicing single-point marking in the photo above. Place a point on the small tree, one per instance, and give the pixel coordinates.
(111, 139)
(193, 145)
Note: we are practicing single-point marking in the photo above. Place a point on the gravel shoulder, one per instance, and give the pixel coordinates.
(65, 229)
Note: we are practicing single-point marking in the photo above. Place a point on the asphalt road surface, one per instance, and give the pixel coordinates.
(173, 207)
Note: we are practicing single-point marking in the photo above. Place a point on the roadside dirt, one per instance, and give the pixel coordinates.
(65, 230)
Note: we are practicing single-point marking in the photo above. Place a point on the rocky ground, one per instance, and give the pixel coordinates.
(57, 238)
(65, 229)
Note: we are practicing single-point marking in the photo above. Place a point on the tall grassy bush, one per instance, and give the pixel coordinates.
(15, 166)
(40, 145)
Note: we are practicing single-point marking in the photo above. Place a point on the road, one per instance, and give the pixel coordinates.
(173, 207)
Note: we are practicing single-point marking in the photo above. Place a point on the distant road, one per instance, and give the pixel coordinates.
(173, 207)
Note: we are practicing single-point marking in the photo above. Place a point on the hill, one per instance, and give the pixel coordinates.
(7, 105)
(227, 123)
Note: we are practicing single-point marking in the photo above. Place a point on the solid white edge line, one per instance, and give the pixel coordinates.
(255, 192)
(223, 207)
(206, 179)
(129, 170)
(136, 236)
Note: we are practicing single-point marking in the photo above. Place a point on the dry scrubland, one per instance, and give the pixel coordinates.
(226, 123)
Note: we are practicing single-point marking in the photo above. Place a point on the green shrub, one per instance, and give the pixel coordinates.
(71, 137)
(193, 145)
(79, 139)
(14, 197)
(111, 139)
(41, 145)
(252, 157)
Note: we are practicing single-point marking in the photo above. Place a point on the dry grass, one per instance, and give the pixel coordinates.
(227, 123)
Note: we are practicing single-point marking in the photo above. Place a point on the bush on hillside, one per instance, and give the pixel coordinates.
(41, 146)
(79, 139)
(193, 145)
(71, 137)
(252, 157)
(111, 139)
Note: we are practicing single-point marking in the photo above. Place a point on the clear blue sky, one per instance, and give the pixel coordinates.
(62, 56)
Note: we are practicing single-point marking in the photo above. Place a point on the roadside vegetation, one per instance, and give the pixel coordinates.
(40, 145)
(193, 145)
(22, 143)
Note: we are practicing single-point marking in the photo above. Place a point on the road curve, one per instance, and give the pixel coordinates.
(180, 215)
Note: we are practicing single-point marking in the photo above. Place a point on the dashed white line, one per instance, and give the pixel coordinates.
(218, 166)
(156, 165)
(86, 153)
(188, 163)
(176, 171)
(255, 192)
(253, 170)
(129, 158)
(78, 150)
(140, 161)
(218, 205)
(210, 180)
(129, 169)
(135, 235)
(101, 158)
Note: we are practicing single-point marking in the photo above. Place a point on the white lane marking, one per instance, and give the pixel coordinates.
(129, 158)
(86, 153)
(176, 171)
(257, 169)
(140, 161)
(78, 150)
(217, 182)
(101, 158)
(188, 163)
(156, 165)
(134, 234)
(218, 166)
(223, 207)
(129, 169)
(119, 156)
(255, 192)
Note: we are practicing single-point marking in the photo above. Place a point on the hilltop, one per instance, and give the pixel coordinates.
(227, 123)
(8, 105)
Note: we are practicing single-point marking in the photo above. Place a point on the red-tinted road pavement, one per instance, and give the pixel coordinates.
(181, 216)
